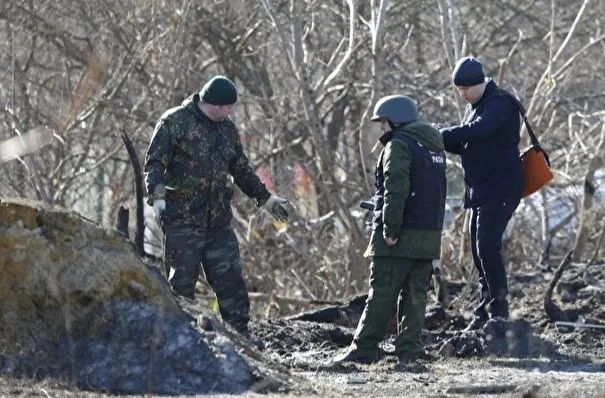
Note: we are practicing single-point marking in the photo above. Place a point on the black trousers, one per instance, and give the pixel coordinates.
(488, 223)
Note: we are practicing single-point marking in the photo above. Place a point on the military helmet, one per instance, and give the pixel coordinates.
(397, 109)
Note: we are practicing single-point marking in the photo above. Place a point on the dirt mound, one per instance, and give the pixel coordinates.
(77, 304)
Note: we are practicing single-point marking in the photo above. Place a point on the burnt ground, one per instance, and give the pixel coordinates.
(526, 357)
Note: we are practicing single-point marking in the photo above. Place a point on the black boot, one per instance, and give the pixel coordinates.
(253, 342)
(355, 357)
(499, 309)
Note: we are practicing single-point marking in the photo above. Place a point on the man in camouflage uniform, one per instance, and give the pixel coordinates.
(194, 149)
(409, 206)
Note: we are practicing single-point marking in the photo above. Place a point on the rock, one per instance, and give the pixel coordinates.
(56, 268)
(78, 304)
(141, 349)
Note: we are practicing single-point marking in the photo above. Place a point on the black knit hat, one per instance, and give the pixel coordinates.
(468, 72)
(219, 91)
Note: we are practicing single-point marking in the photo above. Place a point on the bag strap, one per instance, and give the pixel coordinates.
(532, 136)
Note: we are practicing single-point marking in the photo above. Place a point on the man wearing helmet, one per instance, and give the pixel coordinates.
(409, 206)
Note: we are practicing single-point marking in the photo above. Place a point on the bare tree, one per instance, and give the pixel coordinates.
(309, 74)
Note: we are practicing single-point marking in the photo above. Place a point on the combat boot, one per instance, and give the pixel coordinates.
(421, 356)
(352, 356)
(253, 342)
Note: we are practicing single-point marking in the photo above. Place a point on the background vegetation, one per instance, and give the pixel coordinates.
(75, 74)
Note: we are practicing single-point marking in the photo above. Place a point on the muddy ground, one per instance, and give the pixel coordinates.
(526, 357)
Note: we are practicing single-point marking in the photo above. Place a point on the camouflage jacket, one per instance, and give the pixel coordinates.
(188, 163)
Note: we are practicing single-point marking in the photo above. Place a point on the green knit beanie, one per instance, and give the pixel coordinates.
(219, 91)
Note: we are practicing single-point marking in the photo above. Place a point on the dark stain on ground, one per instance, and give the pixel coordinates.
(312, 338)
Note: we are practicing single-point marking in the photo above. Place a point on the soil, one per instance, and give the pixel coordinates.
(527, 356)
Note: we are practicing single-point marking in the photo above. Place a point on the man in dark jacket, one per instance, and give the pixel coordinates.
(409, 206)
(194, 149)
(487, 141)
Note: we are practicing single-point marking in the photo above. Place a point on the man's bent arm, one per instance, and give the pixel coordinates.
(244, 175)
(495, 113)
(159, 155)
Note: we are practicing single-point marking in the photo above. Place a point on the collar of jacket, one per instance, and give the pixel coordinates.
(490, 88)
(192, 106)
(388, 136)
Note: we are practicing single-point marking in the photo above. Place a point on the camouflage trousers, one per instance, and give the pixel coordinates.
(186, 248)
(395, 283)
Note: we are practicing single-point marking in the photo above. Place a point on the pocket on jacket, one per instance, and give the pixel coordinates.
(223, 204)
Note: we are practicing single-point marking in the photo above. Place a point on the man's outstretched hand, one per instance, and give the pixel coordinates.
(276, 207)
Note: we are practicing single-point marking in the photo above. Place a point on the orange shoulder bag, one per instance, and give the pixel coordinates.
(534, 159)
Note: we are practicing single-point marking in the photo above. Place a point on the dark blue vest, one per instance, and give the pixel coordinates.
(424, 207)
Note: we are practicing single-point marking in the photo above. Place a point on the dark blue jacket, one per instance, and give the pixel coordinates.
(487, 141)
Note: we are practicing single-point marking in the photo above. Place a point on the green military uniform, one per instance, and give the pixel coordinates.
(188, 164)
(406, 267)
(218, 251)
